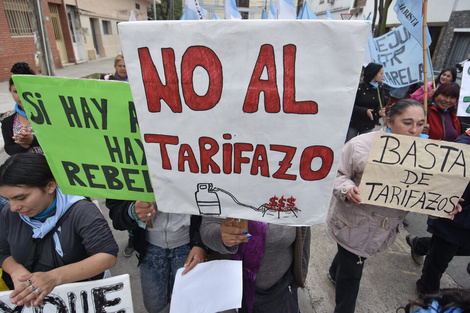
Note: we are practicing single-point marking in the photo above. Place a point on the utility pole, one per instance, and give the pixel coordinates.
(42, 41)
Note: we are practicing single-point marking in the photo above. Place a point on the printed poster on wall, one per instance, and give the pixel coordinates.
(415, 174)
(89, 133)
(244, 119)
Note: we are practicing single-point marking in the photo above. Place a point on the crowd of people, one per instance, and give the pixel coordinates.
(80, 245)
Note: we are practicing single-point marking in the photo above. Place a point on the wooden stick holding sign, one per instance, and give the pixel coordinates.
(415, 174)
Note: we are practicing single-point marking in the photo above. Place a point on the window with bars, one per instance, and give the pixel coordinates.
(18, 17)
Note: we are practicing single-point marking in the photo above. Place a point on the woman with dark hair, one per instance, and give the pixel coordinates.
(442, 119)
(368, 106)
(447, 75)
(362, 230)
(274, 259)
(18, 134)
(34, 251)
(451, 300)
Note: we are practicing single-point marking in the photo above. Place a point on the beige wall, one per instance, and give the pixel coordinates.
(217, 6)
(111, 12)
(113, 9)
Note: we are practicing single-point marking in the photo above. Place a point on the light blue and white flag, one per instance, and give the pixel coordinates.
(328, 15)
(272, 13)
(301, 11)
(402, 57)
(215, 16)
(410, 14)
(307, 13)
(193, 11)
(286, 10)
(231, 11)
(264, 16)
(132, 17)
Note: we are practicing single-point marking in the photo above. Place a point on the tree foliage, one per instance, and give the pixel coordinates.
(163, 10)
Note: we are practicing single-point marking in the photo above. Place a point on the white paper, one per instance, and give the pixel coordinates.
(208, 288)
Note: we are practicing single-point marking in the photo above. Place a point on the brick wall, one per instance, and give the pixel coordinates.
(458, 19)
(22, 48)
(13, 49)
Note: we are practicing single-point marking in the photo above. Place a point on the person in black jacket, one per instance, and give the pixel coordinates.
(164, 242)
(449, 238)
(18, 135)
(368, 106)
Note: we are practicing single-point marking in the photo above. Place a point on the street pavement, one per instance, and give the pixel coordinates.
(389, 277)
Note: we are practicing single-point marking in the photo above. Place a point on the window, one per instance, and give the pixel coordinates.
(137, 6)
(106, 27)
(460, 48)
(19, 17)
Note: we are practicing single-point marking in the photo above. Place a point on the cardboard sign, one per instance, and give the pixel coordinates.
(104, 295)
(244, 118)
(463, 108)
(415, 174)
(89, 133)
(401, 55)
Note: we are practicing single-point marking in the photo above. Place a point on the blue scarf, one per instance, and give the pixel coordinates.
(387, 130)
(374, 84)
(20, 111)
(40, 229)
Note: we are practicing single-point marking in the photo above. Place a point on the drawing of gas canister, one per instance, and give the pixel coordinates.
(207, 199)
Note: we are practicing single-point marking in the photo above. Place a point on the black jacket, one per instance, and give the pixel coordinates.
(367, 98)
(456, 231)
(11, 147)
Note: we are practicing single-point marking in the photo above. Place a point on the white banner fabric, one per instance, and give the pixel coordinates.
(103, 295)
(244, 119)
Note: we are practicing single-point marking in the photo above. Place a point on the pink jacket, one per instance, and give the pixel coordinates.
(418, 95)
(362, 229)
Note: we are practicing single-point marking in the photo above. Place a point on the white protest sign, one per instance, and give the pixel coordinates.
(104, 295)
(463, 109)
(244, 118)
(401, 55)
(415, 174)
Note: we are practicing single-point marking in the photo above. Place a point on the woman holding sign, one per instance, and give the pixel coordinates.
(361, 230)
(18, 135)
(48, 238)
(275, 260)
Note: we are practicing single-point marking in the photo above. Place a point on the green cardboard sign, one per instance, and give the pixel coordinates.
(89, 133)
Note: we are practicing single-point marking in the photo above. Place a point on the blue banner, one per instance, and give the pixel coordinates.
(410, 14)
(402, 57)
